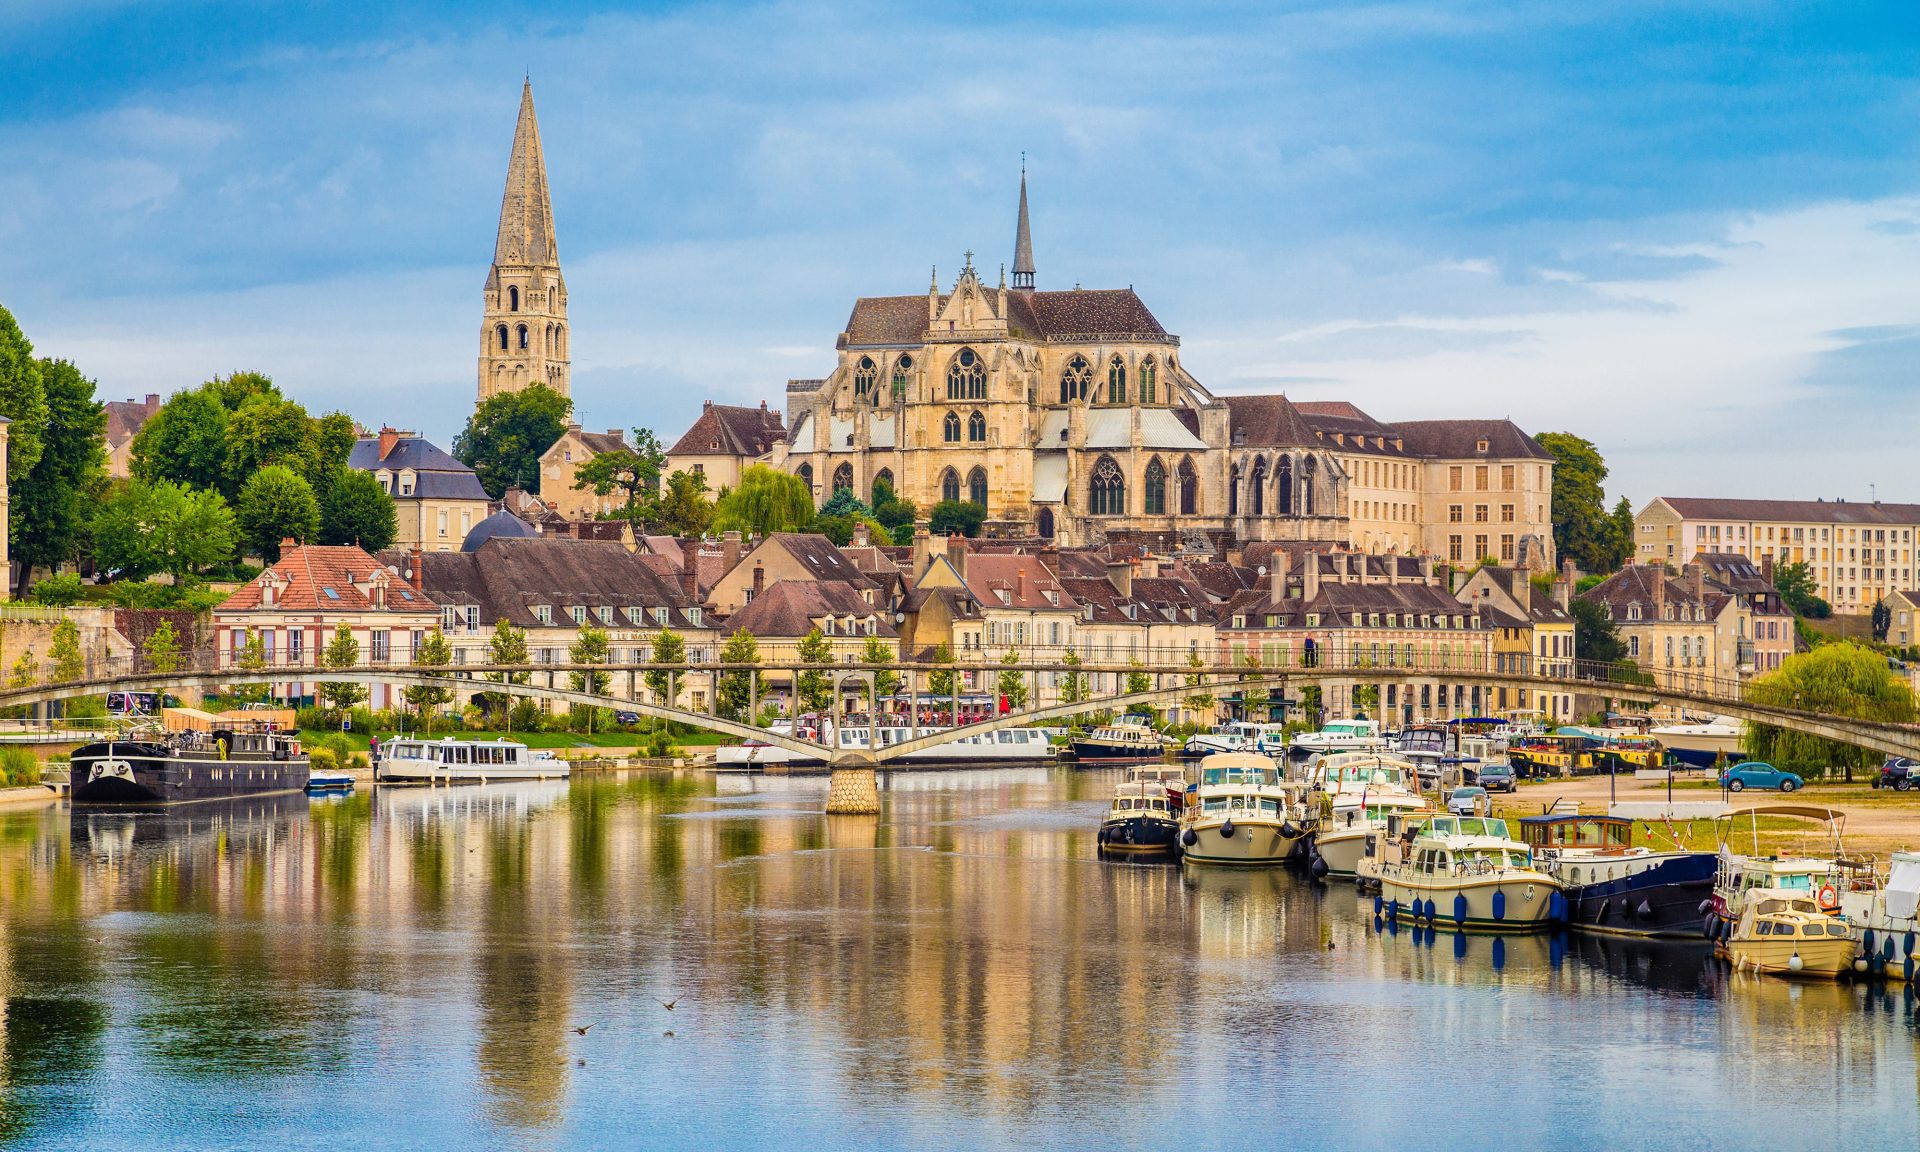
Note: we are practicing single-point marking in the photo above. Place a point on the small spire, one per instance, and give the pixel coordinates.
(1003, 277)
(933, 285)
(1023, 270)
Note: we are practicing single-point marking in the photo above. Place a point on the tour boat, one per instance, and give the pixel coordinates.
(1131, 738)
(1783, 932)
(156, 766)
(1241, 813)
(1141, 819)
(1611, 885)
(1356, 793)
(1466, 872)
(1883, 919)
(1702, 744)
(1025, 745)
(406, 760)
(1339, 736)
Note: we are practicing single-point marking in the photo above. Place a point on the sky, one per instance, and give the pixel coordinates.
(1689, 232)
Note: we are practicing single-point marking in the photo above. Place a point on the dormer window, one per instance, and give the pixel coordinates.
(1238, 621)
(660, 617)
(872, 626)
(826, 626)
(1480, 446)
(693, 617)
(579, 613)
(636, 615)
(1313, 619)
(1087, 613)
(606, 615)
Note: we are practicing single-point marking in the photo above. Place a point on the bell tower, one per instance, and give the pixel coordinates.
(524, 336)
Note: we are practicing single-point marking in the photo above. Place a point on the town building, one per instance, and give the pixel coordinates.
(125, 418)
(725, 441)
(1769, 622)
(559, 466)
(789, 556)
(1903, 618)
(1533, 635)
(1683, 631)
(1856, 552)
(524, 334)
(436, 499)
(787, 611)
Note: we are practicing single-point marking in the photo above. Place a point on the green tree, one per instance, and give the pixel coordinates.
(815, 688)
(893, 512)
(266, 430)
(766, 500)
(355, 509)
(589, 648)
(844, 503)
(1137, 678)
(668, 648)
(1800, 591)
(342, 652)
(68, 662)
(1257, 700)
(1074, 688)
(1594, 635)
(951, 516)
(685, 509)
(875, 652)
(60, 591)
(23, 400)
(185, 442)
(276, 504)
(50, 508)
(1013, 682)
(1843, 679)
(734, 694)
(508, 646)
(1200, 701)
(507, 433)
(634, 473)
(252, 658)
(434, 652)
(1582, 530)
(943, 679)
(162, 648)
(142, 528)
(22, 671)
(1366, 699)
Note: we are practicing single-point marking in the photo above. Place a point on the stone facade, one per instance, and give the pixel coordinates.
(436, 499)
(560, 463)
(1857, 552)
(524, 335)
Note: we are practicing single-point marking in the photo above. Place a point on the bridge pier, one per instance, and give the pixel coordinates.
(853, 791)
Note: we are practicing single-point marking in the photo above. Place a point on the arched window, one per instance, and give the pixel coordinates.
(950, 428)
(521, 332)
(1153, 489)
(1189, 487)
(1233, 490)
(1309, 471)
(1075, 379)
(1107, 490)
(967, 377)
(843, 478)
(1257, 488)
(1117, 381)
(1284, 498)
(1148, 381)
(513, 299)
(560, 341)
(977, 486)
(950, 485)
(864, 376)
(1043, 523)
(977, 428)
(900, 367)
(884, 476)
(805, 472)
(501, 332)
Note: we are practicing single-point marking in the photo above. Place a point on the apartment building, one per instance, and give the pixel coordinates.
(1857, 552)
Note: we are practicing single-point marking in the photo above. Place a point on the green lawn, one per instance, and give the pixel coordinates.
(554, 740)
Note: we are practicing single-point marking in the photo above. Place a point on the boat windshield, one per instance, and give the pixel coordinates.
(1238, 774)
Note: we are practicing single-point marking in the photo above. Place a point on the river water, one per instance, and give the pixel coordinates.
(403, 970)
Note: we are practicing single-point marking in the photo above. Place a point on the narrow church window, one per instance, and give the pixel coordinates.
(977, 486)
(1233, 490)
(1155, 488)
(1147, 381)
(522, 333)
(951, 428)
(950, 485)
(1189, 488)
(1117, 381)
(900, 375)
(1107, 491)
(1285, 486)
(1074, 380)
(864, 376)
(1257, 487)
(1309, 469)
(967, 377)
(977, 428)
(843, 478)
(513, 299)
(502, 333)
(884, 476)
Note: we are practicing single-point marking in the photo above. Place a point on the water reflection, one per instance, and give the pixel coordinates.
(962, 963)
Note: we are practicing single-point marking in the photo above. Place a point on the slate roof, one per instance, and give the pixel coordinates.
(787, 609)
(821, 557)
(1633, 584)
(326, 579)
(437, 475)
(1818, 511)
(1081, 312)
(1459, 439)
(125, 418)
(506, 577)
(738, 431)
(1268, 422)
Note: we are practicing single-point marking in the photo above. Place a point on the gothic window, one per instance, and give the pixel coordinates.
(950, 485)
(967, 377)
(977, 486)
(884, 476)
(1154, 489)
(1233, 490)
(1189, 488)
(1147, 381)
(1043, 523)
(1117, 381)
(977, 428)
(843, 478)
(1257, 488)
(513, 299)
(951, 428)
(1107, 490)
(805, 472)
(864, 376)
(521, 332)
(501, 332)
(1310, 468)
(1075, 379)
(1284, 497)
(900, 367)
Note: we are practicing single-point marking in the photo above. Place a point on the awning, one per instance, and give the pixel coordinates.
(1049, 477)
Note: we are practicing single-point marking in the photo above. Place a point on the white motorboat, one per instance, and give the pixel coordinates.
(1241, 812)
(1339, 736)
(1239, 736)
(1883, 918)
(1702, 744)
(451, 761)
(1357, 792)
(1466, 873)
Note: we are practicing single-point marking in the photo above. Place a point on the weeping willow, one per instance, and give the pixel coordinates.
(1838, 679)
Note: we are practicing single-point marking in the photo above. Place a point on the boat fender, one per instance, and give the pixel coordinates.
(1376, 905)
(1288, 830)
(1432, 913)
(1859, 965)
(1906, 967)
(222, 745)
(1907, 942)
(1886, 949)
(1794, 962)
(1189, 837)
(1705, 907)
(1499, 904)
(1319, 867)
(1460, 907)
(1867, 942)
(1644, 911)
(1710, 927)
(1226, 830)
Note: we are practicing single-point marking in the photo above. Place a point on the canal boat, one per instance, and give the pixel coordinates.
(1467, 873)
(407, 760)
(1611, 885)
(1132, 737)
(1883, 919)
(1241, 813)
(1741, 878)
(229, 756)
(1021, 745)
(1356, 792)
(1339, 736)
(1784, 932)
(1239, 736)
(1702, 744)
(329, 781)
(1141, 820)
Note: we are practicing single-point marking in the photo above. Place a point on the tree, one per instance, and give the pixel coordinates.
(1800, 591)
(162, 648)
(734, 694)
(1594, 635)
(1200, 701)
(68, 662)
(589, 648)
(1074, 689)
(434, 652)
(142, 528)
(342, 652)
(508, 646)
(252, 658)
(840, 529)
(685, 509)
(1882, 620)
(844, 503)
(633, 472)
(893, 512)
(276, 504)
(50, 508)
(815, 689)
(1013, 682)
(22, 671)
(1137, 678)
(1256, 700)
(355, 509)
(507, 433)
(950, 516)
(23, 400)
(1366, 699)
(668, 648)
(885, 681)
(185, 442)
(266, 430)
(1582, 530)
(60, 591)
(1845, 679)
(942, 680)
(766, 500)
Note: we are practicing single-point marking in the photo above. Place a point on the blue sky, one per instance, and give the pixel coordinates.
(1688, 231)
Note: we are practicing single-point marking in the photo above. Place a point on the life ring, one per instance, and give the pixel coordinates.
(1829, 899)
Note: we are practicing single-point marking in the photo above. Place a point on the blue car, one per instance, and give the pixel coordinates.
(1754, 774)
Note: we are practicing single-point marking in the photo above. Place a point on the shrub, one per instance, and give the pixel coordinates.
(658, 745)
(86, 708)
(60, 591)
(18, 766)
(322, 759)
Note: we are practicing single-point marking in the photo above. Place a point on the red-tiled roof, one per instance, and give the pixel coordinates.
(729, 430)
(316, 578)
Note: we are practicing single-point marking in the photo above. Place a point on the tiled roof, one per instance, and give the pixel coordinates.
(1460, 439)
(1115, 312)
(506, 577)
(325, 578)
(1268, 422)
(737, 431)
(1817, 511)
(1633, 584)
(125, 418)
(821, 557)
(1336, 604)
(1023, 579)
(788, 609)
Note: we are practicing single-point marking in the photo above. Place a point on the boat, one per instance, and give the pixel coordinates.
(323, 781)
(1132, 737)
(1467, 873)
(1141, 819)
(1783, 932)
(1356, 792)
(1239, 812)
(1026, 745)
(1239, 736)
(1339, 736)
(1742, 881)
(1883, 919)
(1702, 744)
(1612, 885)
(188, 762)
(449, 761)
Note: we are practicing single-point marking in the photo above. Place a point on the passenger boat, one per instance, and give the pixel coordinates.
(1241, 813)
(238, 757)
(1702, 744)
(1466, 872)
(1339, 736)
(451, 761)
(1611, 885)
(1131, 738)
(1357, 792)
(1025, 745)
(1783, 932)
(1141, 819)
(1239, 736)
(1882, 917)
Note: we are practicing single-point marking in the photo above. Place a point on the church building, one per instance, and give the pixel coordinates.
(524, 337)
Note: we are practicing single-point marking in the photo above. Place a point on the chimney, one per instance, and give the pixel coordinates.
(1120, 575)
(1020, 583)
(690, 584)
(955, 550)
(1696, 574)
(729, 550)
(1563, 591)
(389, 436)
(416, 563)
(1310, 575)
(153, 399)
(759, 580)
(1522, 587)
(1277, 569)
(1426, 569)
(1659, 577)
(922, 549)
(1766, 568)
(861, 536)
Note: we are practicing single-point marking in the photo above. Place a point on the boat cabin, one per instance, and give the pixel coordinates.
(500, 753)
(1589, 832)
(1218, 775)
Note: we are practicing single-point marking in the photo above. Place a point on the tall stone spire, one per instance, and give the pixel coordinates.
(524, 336)
(1023, 239)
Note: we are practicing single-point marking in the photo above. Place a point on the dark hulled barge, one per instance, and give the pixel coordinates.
(158, 767)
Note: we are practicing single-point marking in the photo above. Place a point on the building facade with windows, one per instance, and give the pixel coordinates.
(436, 499)
(560, 464)
(1857, 552)
(1684, 631)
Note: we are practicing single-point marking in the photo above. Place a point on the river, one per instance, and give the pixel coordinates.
(406, 969)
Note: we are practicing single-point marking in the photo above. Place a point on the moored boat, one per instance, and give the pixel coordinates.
(322, 781)
(1702, 744)
(1241, 813)
(1357, 792)
(1883, 918)
(1130, 738)
(1782, 932)
(237, 758)
(1339, 736)
(1612, 885)
(1141, 819)
(1467, 873)
(451, 761)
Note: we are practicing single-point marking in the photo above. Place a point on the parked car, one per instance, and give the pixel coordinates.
(1754, 774)
(625, 717)
(1468, 800)
(1497, 778)
(1898, 773)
